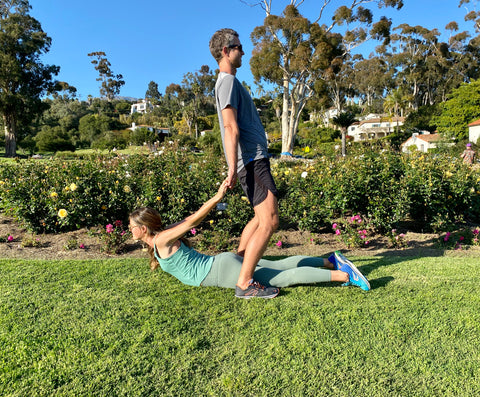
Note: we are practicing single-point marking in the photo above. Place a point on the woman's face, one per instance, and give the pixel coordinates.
(136, 230)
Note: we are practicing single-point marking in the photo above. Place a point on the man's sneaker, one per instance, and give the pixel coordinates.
(355, 277)
(256, 290)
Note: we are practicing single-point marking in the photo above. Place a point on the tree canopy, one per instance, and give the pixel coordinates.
(111, 82)
(302, 57)
(461, 108)
(23, 77)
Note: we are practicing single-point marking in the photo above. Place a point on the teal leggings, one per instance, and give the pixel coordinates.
(292, 270)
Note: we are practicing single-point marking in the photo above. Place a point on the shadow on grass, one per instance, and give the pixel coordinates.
(382, 259)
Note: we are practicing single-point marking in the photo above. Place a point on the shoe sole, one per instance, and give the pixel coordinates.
(344, 260)
(257, 296)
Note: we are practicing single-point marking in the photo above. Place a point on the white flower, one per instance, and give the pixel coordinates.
(304, 174)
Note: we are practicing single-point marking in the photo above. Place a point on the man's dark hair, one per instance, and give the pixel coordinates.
(221, 38)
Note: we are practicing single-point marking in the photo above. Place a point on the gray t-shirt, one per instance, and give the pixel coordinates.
(252, 143)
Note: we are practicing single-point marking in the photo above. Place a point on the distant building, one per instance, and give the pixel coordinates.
(474, 131)
(423, 142)
(161, 132)
(373, 127)
(141, 107)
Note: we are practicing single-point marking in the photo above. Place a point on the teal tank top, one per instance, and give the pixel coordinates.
(187, 265)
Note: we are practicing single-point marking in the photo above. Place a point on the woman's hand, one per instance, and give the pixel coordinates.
(221, 190)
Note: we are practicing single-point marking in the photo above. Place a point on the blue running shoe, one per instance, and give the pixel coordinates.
(333, 260)
(355, 277)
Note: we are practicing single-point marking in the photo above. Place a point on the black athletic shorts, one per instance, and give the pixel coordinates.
(256, 180)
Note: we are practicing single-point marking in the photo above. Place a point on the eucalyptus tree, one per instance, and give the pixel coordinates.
(294, 54)
(372, 77)
(430, 68)
(111, 82)
(198, 95)
(23, 77)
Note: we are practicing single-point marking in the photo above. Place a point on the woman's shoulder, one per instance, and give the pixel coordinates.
(163, 250)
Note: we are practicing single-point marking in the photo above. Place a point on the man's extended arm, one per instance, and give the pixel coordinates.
(232, 133)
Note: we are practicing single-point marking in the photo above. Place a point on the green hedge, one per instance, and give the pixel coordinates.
(385, 188)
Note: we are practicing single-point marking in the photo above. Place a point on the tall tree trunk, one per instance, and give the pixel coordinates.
(10, 135)
(344, 141)
(286, 133)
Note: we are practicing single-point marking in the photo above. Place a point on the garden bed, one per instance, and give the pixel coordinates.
(293, 242)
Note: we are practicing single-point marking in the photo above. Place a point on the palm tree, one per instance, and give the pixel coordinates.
(396, 103)
(344, 120)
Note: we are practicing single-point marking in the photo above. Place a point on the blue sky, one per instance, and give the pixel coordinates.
(161, 40)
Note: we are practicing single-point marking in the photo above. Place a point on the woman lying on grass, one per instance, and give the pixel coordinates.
(173, 253)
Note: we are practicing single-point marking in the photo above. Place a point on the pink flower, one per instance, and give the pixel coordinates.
(462, 238)
(278, 244)
(447, 236)
(10, 238)
(334, 226)
(338, 232)
(81, 246)
(118, 223)
(367, 242)
(193, 231)
(476, 231)
(109, 228)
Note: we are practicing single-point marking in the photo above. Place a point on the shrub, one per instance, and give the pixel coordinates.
(113, 236)
(352, 231)
(437, 192)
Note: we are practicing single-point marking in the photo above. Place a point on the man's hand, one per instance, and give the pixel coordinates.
(231, 178)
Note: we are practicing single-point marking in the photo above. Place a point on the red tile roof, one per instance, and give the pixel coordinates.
(474, 123)
(429, 137)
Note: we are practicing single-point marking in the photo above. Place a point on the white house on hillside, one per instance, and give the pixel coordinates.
(141, 107)
(423, 142)
(374, 127)
(474, 131)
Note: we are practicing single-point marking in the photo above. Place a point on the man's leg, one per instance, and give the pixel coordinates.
(247, 234)
(266, 214)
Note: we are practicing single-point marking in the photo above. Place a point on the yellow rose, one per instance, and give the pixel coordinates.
(62, 213)
(53, 194)
(73, 187)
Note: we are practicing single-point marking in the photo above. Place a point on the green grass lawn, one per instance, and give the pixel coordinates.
(113, 328)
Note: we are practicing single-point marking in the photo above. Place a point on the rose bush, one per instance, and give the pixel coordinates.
(438, 193)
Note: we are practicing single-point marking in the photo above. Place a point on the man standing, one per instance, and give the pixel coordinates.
(245, 145)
